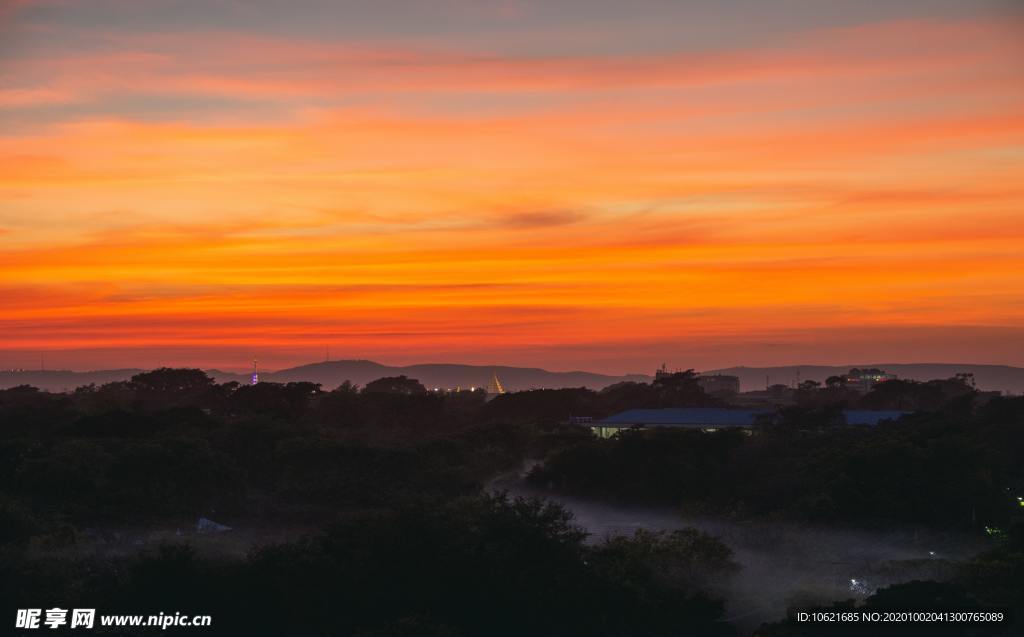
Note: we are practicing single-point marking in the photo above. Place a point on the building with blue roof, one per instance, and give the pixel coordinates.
(871, 417)
(701, 418)
(710, 419)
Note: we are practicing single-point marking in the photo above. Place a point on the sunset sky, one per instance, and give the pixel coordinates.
(565, 184)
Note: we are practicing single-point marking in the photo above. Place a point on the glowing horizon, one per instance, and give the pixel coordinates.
(520, 183)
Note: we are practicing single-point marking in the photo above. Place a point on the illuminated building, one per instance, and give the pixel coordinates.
(255, 373)
(863, 380)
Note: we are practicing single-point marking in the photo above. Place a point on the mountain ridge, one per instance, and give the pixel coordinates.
(330, 374)
(1004, 378)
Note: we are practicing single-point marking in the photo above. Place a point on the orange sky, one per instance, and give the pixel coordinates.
(837, 191)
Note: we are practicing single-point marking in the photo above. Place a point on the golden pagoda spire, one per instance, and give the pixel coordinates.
(494, 386)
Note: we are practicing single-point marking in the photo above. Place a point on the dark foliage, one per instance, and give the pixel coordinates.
(391, 475)
(960, 466)
(478, 566)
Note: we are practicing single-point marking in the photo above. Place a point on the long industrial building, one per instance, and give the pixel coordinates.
(714, 418)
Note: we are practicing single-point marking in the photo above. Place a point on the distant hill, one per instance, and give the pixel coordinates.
(333, 373)
(62, 380)
(1002, 378)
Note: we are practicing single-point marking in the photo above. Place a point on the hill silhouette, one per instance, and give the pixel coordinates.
(330, 374)
(1002, 378)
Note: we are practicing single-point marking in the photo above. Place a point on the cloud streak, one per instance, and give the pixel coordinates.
(401, 196)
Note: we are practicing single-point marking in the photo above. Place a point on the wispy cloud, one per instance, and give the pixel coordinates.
(408, 196)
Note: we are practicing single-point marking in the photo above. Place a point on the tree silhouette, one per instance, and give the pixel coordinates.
(395, 385)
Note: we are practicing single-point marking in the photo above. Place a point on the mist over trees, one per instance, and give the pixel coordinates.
(381, 491)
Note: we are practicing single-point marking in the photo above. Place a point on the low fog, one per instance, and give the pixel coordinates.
(783, 564)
